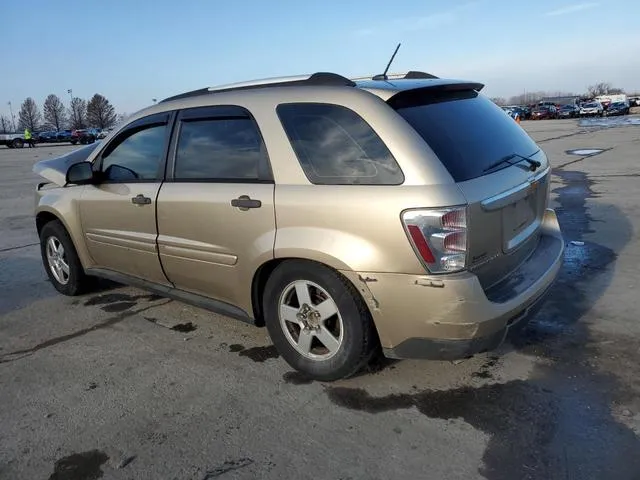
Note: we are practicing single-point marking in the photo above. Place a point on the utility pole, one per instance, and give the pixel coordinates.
(13, 119)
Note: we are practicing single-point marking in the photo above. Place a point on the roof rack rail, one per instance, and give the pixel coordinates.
(315, 79)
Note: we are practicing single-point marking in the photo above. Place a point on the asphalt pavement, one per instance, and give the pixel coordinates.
(121, 384)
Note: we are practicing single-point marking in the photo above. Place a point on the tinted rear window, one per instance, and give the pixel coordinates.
(335, 146)
(467, 131)
(218, 149)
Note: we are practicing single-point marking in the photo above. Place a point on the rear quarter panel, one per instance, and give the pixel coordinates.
(353, 227)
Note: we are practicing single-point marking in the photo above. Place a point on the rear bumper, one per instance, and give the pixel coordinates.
(450, 317)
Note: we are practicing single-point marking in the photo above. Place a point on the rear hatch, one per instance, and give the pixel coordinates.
(500, 170)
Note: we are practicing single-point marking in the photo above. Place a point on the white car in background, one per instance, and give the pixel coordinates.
(591, 109)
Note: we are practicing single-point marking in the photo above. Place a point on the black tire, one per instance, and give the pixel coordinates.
(73, 142)
(360, 341)
(78, 282)
(18, 143)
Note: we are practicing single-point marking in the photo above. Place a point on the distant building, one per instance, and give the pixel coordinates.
(568, 100)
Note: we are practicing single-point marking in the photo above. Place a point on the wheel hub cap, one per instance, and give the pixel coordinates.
(309, 316)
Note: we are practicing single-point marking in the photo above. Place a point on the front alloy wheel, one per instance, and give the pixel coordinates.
(57, 259)
(61, 260)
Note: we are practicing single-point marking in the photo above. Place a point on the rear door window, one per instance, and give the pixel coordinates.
(220, 144)
(335, 146)
(466, 130)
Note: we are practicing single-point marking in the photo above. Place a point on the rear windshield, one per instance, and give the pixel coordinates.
(466, 130)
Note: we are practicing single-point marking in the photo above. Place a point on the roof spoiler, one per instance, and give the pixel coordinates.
(407, 96)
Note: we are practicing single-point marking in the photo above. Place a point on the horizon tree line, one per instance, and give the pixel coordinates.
(97, 112)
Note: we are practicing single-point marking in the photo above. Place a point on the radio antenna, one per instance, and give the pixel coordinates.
(383, 76)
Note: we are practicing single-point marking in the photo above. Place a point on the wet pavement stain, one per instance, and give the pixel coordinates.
(185, 327)
(108, 298)
(499, 409)
(80, 466)
(236, 347)
(557, 424)
(485, 369)
(118, 307)
(260, 354)
(227, 466)
(296, 378)
(119, 302)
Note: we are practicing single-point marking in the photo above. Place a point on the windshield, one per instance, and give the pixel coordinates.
(467, 131)
(590, 105)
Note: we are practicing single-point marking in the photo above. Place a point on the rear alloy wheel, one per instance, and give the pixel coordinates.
(61, 260)
(18, 143)
(317, 321)
(310, 320)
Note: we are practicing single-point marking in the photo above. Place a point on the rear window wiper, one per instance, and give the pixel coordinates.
(533, 164)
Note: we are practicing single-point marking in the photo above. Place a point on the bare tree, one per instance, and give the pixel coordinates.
(100, 113)
(78, 113)
(29, 115)
(121, 118)
(5, 124)
(54, 112)
(498, 100)
(601, 88)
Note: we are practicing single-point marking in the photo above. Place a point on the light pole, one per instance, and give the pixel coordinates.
(13, 120)
(73, 113)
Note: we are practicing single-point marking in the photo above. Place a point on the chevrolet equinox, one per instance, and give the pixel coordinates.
(406, 213)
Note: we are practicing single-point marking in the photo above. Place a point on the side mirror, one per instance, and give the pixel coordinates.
(80, 173)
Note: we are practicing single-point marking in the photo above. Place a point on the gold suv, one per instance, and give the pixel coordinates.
(405, 212)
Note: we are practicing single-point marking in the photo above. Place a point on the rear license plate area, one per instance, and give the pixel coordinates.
(518, 220)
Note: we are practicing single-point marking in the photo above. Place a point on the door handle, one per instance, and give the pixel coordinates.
(140, 200)
(244, 202)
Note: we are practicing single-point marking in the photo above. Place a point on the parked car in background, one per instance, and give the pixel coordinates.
(63, 136)
(521, 111)
(617, 108)
(84, 136)
(634, 101)
(591, 109)
(526, 112)
(428, 236)
(47, 137)
(544, 112)
(13, 140)
(104, 132)
(568, 111)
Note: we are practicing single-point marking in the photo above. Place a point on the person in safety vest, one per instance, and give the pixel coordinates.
(28, 137)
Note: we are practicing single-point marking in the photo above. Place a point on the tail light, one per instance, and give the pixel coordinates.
(439, 237)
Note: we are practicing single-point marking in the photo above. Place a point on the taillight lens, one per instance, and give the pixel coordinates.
(439, 237)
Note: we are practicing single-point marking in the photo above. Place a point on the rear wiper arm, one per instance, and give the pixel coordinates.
(533, 164)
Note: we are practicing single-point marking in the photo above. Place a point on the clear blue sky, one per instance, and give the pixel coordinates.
(133, 51)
